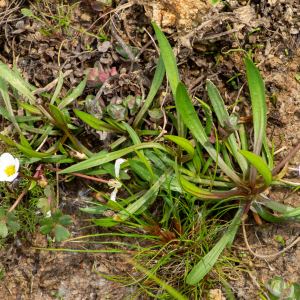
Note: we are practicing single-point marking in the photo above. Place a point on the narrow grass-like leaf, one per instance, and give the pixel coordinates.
(164, 285)
(47, 130)
(268, 154)
(192, 121)
(101, 159)
(171, 69)
(135, 138)
(222, 115)
(206, 194)
(8, 75)
(32, 153)
(5, 96)
(145, 161)
(134, 207)
(58, 87)
(75, 94)
(259, 165)
(95, 123)
(208, 261)
(259, 109)
(184, 143)
(157, 80)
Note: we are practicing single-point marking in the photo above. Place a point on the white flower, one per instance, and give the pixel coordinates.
(9, 167)
(116, 183)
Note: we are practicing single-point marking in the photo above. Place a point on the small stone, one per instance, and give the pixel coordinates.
(85, 17)
(2, 3)
(295, 142)
(20, 25)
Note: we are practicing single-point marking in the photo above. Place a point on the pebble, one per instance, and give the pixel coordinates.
(2, 3)
(295, 142)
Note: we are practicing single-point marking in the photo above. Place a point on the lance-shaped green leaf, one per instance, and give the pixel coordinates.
(222, 115)
(98, 160)
(183, 143)
(96, 123)
(8, 75)
(268, 217)
(206, 194)
(31, 153)
(192, 121)
(7, 140)
(208, 261)
(58, 87)
(75, 94)
(115, 124)
(61, 122)
(171, 69)
(30, 108)
(258, 163)
(157, 80)
(259, 109)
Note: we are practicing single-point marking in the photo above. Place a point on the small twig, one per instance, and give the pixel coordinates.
(145, 47)
(153, 40)
(279, 150)
(134, 64)
(128, 33)
(51, 84)
(58, 56)
(266, 256)
(77, 174)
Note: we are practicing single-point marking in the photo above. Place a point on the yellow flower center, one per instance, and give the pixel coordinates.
(10, 171)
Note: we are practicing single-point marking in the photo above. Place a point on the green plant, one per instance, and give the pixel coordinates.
(256, 171)
(278, 289)
(170, 170)
(57, 295)
(63, 19)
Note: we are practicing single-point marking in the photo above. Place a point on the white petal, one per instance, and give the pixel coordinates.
(117, 166)
(7, 159)
(17, 165)
(113, 195)
(3, 176)
(12, 177)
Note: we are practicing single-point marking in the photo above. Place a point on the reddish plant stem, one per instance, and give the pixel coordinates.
(29, 177)
(77, 174)
(247, 208)
(36, 175)
(19, 199)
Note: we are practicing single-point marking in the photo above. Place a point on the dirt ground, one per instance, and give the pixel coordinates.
(34, 274)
